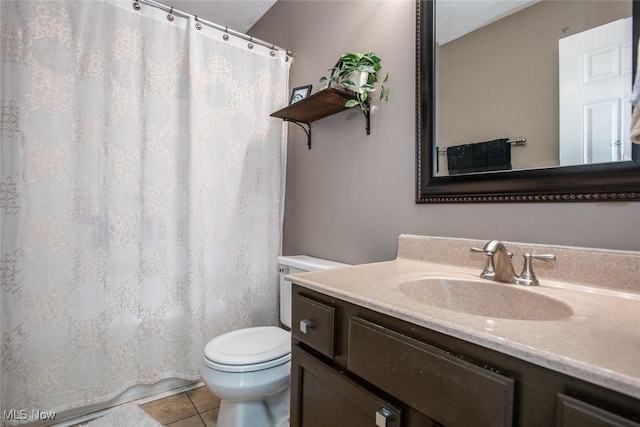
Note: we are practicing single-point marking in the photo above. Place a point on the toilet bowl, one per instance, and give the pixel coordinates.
(249, 369)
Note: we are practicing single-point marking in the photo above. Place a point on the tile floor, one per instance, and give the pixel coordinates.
(194, 408)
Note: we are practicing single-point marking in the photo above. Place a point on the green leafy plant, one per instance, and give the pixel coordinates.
(359, 72)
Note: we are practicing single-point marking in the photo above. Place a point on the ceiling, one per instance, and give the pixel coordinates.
(238, 15)
(455, 18)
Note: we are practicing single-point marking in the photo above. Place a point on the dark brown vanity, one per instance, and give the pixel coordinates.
(352, 366)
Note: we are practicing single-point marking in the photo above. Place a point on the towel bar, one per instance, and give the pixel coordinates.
(522, 140)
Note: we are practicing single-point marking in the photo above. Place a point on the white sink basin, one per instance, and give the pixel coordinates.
(483, 298)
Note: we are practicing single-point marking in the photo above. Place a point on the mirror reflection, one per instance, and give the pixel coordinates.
(531, 84)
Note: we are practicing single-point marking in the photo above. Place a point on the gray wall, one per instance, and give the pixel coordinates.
(351, 195)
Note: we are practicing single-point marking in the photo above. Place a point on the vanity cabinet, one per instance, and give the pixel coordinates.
(353, 367)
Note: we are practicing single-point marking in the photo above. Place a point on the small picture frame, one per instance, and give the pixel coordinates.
(300, 93)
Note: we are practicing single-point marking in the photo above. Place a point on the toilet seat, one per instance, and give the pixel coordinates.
(248, 349)
(246, 368)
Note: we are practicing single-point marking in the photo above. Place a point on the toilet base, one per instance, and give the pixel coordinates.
(270, 412)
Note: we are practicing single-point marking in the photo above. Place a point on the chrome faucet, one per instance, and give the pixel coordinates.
(500, 268)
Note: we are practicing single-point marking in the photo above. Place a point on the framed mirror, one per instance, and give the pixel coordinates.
(535, 151)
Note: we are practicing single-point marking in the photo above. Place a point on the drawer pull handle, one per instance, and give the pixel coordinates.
(305, 325)
(383, 416)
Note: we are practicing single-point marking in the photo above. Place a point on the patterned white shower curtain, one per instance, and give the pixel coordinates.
(141, 188)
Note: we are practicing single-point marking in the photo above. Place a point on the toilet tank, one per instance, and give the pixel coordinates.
(298, 264)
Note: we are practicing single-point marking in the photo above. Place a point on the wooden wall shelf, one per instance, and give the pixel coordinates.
(317, 106)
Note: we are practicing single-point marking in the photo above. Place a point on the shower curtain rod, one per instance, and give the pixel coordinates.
(174, 11)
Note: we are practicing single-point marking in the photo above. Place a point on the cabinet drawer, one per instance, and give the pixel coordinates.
(447, 389)
(575, 413)
(313, 324)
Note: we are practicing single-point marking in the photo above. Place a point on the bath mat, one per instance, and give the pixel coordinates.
(128, 415)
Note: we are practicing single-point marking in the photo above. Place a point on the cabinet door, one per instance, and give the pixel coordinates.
(575, 413)
(322, 397)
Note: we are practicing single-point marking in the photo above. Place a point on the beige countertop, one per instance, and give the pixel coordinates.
(599, 343)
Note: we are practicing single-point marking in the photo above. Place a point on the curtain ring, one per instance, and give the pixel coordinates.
(250, 45)
(225, 36)
(273, 50)
(136, 5)
(198, 24)
(170, 17)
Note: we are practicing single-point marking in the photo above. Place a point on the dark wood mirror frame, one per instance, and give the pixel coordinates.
(618, 181)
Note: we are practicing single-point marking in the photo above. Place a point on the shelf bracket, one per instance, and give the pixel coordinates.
(367, 116)
(306, 129)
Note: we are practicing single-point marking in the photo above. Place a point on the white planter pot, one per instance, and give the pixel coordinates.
(359, 78)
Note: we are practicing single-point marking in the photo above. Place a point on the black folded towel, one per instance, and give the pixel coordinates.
(460, 159)
(479, 157)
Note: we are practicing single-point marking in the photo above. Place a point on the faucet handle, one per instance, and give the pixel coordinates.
(543, 257)
(528, 277)
(489, 271)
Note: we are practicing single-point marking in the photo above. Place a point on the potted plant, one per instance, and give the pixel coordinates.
(359, 72)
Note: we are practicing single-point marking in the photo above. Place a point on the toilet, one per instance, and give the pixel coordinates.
(249, 368)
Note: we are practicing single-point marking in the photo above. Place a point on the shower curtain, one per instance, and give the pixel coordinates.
(141, 196)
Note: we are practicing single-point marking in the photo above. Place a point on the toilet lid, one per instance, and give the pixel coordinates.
(249, 346)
